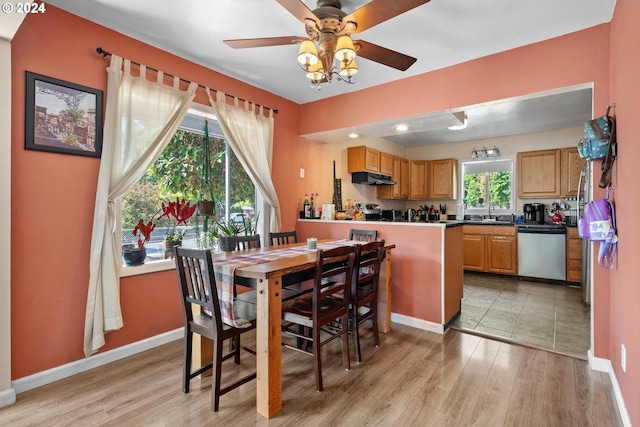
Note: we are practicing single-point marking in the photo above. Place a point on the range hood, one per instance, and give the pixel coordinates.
(370, 178)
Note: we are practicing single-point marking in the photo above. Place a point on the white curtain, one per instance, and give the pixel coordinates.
(250, 136)
(141, 117)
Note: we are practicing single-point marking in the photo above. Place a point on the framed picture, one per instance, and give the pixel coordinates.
(62, 117)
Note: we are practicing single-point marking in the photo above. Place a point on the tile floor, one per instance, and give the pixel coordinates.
(544, 315)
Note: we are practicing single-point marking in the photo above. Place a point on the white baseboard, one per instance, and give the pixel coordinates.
(7, 397)
(45, 377)
(604, 365)
(417, 323)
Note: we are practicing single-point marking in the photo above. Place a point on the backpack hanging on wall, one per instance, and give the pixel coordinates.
(599, 225)
(599, 142)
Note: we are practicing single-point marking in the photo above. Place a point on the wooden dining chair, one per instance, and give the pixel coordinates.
(283, 238)
(364, 291)
(198, 289)
(242, 243)
(316, 310)
(363, 235)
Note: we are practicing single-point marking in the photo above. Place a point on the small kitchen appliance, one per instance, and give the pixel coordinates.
(533, 213)
(371, 211)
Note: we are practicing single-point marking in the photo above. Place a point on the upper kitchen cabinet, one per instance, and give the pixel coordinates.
(443, 179)
(539, 173)
(399, 174)
(418, 173)
(364, 159)
(572, 165)
(386, 163)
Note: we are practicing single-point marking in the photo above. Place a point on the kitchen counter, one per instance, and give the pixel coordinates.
(426, 275)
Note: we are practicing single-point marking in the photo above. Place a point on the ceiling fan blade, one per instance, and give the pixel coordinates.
(298, 9)
(384, 56)
(263, 42)
(377, 11)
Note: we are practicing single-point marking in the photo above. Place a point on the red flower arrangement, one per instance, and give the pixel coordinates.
(180, 211)
(144, 231)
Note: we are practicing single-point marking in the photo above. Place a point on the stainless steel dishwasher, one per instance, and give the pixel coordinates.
(542, 251)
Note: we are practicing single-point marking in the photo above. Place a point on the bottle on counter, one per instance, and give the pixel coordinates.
(306, 206)
(312, 208)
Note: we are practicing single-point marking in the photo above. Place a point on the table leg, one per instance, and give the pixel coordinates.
(269, 347)
(384, 294)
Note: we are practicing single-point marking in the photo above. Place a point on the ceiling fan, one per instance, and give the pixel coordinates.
(330, 27)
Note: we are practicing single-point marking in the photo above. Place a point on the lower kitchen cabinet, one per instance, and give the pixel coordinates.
(490, 248)
(574, 255)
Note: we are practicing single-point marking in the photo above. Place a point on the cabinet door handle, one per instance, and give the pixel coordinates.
(499, 237)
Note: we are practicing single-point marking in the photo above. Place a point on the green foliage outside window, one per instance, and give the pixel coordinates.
(177, 174)
(499, 188)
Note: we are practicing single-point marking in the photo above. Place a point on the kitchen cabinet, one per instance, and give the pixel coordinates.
(363, 159)
(572, 164)
(405, 179)
(399, 174)
(386, 163)
(490, 248)
(574, 255)
(539, 173)
(418, 173)
(443, 180)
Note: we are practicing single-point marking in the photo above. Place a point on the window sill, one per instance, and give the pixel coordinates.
(147, 267)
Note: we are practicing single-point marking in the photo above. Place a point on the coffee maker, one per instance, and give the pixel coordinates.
(533, 213)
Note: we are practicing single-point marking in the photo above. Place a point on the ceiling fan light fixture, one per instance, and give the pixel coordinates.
(315, 72)
(349, 70)
(345, 51)
(401, 128)
(307, 54)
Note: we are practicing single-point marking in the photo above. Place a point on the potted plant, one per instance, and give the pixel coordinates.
(178, 213)
(232, 227)
(206, 204)
(135, 254)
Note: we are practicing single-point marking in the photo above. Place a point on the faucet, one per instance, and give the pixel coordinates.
(490, 210)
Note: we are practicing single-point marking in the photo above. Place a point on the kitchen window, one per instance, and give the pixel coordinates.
(488, 186)
(177, 174)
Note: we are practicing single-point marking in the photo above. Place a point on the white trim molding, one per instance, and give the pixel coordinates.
(417, 323)
(7, 397)
(45, 377)
(604, 365)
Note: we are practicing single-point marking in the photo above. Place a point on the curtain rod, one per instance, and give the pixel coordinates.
(105, 53)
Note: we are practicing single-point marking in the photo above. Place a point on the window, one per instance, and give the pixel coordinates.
(177, 173)
(488, 185)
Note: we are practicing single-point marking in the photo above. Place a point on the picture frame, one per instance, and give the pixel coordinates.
(62, 117)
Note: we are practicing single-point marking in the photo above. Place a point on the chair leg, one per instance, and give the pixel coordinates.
(346, 362)
(236, 358)
(188, 341)
(317, 358)
(217, 375)
(356, 334)
(376, 336)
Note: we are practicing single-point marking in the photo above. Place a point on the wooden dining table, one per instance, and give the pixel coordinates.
(267, 278)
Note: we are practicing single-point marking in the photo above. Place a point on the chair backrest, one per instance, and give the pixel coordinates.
(363, 235)
(337, 265)
(283, 238)
(244, 242)
(197, 283)
(368, 263)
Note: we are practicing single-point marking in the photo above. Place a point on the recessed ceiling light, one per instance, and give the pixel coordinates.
(401, 128)
(353, 135)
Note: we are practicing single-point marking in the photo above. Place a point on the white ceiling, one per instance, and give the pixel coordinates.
(440, 33)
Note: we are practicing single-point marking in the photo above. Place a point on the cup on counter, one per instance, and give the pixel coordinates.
(312, 243)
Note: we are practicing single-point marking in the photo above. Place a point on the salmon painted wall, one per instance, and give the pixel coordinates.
(53, 195)
(625, 278)
(416, 262)
(576, 58)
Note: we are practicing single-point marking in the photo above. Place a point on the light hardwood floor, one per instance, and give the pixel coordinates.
(415, 378)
